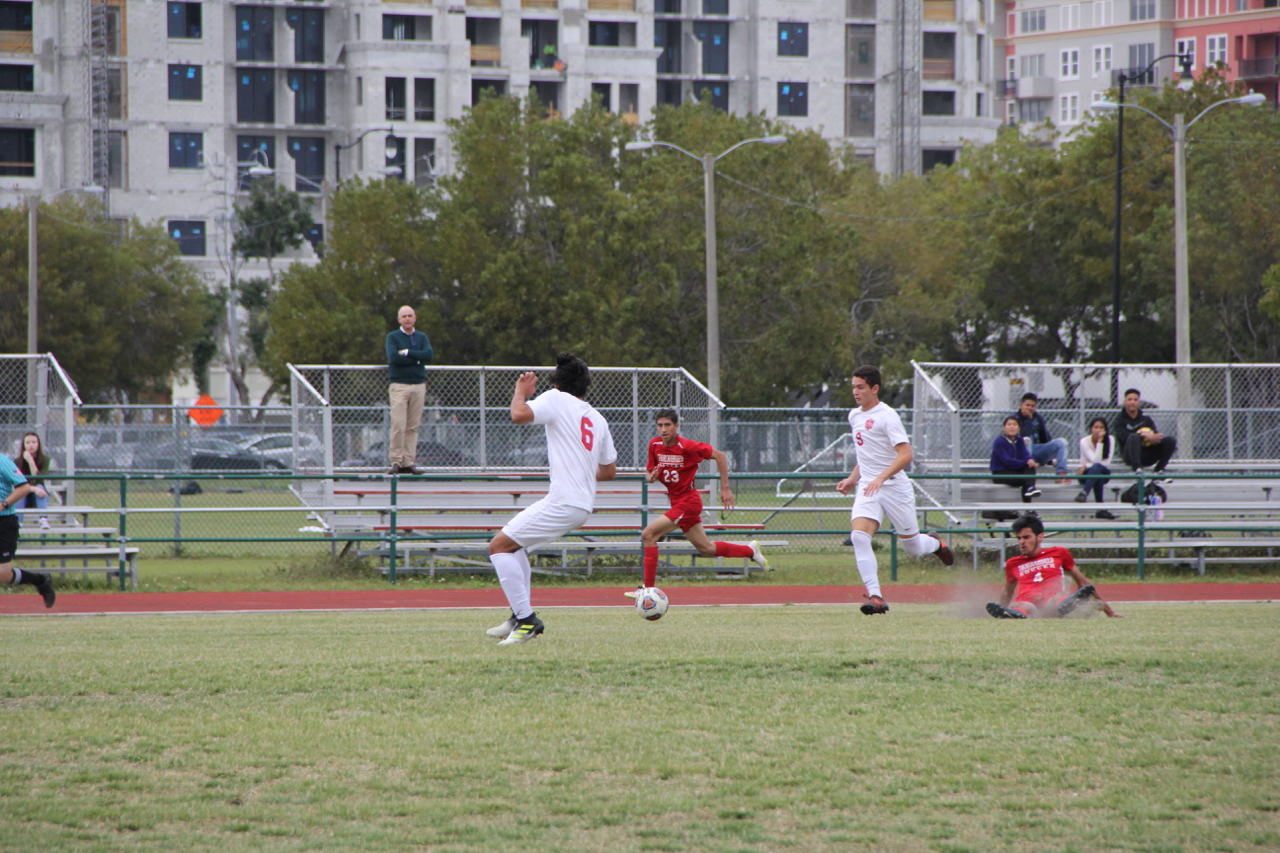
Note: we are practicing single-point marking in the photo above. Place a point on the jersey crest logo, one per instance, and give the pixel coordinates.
(870, 423)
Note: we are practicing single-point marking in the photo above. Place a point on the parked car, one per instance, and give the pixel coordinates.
(431, 454)
(203, 454)
(310, 451)
(108, 449)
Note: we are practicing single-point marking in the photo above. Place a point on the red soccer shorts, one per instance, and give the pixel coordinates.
(686, 510)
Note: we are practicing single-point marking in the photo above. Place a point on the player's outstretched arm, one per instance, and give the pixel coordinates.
(525, 386)
(726, 494)
(607, 472)
(1078, 576)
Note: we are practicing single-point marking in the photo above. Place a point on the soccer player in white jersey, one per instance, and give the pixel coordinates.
(581, 453)
(882, 489)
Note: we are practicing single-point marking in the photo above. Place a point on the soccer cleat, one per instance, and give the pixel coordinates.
(634, 593)
(1082, 498)
(944, 551)
(874, 605)
(44, 585)
(525, 630)
(1069, 603)
(1000, 612)
(1032, 492)
(757, 556)
(504, 630)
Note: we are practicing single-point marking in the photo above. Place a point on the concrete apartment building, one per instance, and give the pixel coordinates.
(165, 103)
(1061, 56)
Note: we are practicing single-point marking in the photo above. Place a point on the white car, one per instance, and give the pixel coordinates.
(281, 448)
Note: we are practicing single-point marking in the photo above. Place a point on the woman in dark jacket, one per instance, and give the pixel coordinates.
(1011, 456)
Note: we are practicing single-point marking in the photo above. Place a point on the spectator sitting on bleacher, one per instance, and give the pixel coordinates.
(1043, 448)
(1011, 460)
(1141, 444)
(1096, 450)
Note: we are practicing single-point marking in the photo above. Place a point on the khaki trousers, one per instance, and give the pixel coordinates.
(406, 413)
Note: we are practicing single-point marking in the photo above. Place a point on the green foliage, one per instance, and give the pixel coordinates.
(120, 315)
(273, 220)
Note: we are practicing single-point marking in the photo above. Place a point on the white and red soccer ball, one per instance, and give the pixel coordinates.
(652, 603)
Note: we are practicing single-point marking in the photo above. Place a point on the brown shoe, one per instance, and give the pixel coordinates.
(409, 469)
(396, 469)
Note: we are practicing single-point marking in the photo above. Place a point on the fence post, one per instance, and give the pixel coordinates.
(395, 535)
(893, 555)
(1142, 531)
(42, 395)
(69, 441)
(484, 422)
(635, 416)
(177, 518)
(123, 534)
(1231, 443)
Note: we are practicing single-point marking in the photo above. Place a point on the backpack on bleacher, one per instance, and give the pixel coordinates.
(1130, 495)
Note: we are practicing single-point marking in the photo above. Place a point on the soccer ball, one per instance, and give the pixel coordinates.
(651, 603)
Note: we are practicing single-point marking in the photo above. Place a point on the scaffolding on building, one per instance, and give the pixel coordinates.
(906, 112)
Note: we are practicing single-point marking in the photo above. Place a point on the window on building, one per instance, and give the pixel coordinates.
(15, 17)
(1142, 10)
(979, 109)
(931, 158)
(1140, 58)
(629, 101)
(308, 34)
(715, 46)
(860, 51)
(979, 54)
(715, 7)
(717, 93)
(190, 236)
(670, 93)
(1069, 64)
(1103, 13)
(611, 34)
(666, 7)
(395, 95)
(1215, 50)
(117, 96)
(1068, 109)
(115, 28)
(860, 110)
(860, 8)
(543, 39)
(793, 38)
(308, 162)
(938, 103)
(1185, 47)
(482, 88)
(184, 20)
(397, 155)
(939, 56)
(1033, 21)
(603, 92)
(548, 94)
(315, 236)
(186, 150)
(17, 78)
(256, 95)
(185, 83)
(406, 28)
(1011, 63)
(18, 151)
(308, 96)
(424, 162)
(1032, 65)
(793, 99)
(359, 91)
(255, 34)
(117, 160)
(1034, 111)
(251, 150)
(1101, 59)
(424, 99)
(1070, 17)
(666, 35)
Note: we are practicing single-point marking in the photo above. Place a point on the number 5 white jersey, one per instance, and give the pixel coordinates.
(578, 442)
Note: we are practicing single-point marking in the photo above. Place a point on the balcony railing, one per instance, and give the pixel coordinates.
(15, 41)
(611, 5)
(486, 54)
(939, 10)
(485, 4)
(539, 4)
(939, 69)
(1259, 68)
(1006, 88)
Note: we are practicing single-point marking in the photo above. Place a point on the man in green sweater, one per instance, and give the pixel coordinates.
(407, 351)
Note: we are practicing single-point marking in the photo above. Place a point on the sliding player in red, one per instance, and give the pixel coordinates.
(1034, 580)
(673, 462)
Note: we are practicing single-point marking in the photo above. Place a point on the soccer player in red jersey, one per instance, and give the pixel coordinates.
(1034, 579)
(673, 462)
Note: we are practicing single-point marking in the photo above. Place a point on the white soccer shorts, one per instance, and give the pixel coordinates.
(895, 500)
(544, 522)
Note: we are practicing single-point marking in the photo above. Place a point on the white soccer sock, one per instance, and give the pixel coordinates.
(921, 544)
(866, 560)
(17, 576)
(512, 577)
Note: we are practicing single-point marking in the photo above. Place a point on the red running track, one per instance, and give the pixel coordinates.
(23, 601)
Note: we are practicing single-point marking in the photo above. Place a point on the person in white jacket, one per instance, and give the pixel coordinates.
(1096, 450)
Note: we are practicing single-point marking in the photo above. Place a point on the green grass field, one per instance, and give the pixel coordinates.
(716, 729)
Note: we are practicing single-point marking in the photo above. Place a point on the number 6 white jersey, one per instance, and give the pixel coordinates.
(876, 435)
(578, 442)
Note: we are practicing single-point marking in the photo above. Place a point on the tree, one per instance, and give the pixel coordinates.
(120, 313)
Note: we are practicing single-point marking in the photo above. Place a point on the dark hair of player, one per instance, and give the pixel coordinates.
(1028, 522)
(668, 413)
(869, 374)
(1030, 396)
(571, 375)
(1133, 391)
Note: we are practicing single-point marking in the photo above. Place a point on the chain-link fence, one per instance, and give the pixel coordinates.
(37, 396)
(1221, 414)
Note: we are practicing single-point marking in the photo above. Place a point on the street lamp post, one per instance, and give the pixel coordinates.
(339, 148)
(708, 162)
(1185, 78)
(1181, 286)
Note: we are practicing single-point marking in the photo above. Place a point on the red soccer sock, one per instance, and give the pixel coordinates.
(651, 566)
(728, 549)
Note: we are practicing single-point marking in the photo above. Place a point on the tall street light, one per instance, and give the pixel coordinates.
(1181, 288)
(708, 162)
(1184, 80)
(339, 148)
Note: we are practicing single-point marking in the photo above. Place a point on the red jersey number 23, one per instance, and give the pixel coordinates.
(588, 437)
